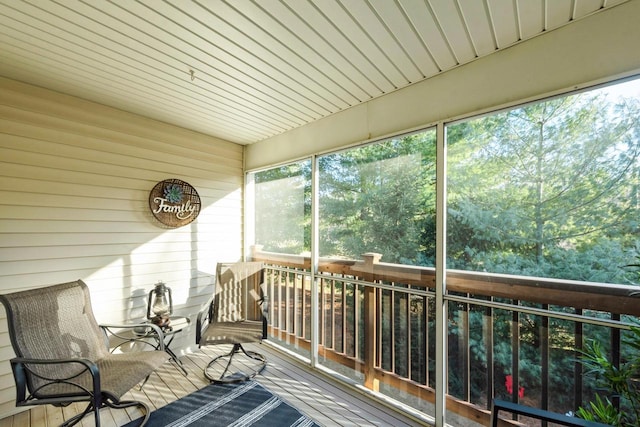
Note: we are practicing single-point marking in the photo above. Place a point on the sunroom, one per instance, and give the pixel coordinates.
(445, 195)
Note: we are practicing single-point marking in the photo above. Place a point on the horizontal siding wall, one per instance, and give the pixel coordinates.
(75, 179)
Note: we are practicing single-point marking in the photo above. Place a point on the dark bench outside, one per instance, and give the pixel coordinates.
(540, 414)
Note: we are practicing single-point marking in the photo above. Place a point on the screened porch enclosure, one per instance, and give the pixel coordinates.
(443, 238)
(540, 242)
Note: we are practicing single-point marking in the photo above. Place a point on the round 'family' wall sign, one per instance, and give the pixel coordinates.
(174, 203)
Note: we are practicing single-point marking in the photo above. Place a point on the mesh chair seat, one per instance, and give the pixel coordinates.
(119, 373)
(242, 331)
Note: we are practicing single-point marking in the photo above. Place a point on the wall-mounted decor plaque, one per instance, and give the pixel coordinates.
(174, 203)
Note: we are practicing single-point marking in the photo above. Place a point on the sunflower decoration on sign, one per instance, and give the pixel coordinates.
(174, 203)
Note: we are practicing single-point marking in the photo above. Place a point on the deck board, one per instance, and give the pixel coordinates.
(342, 406)
(312, 393)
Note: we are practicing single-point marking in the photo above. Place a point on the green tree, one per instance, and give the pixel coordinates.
(532, 187)
(283, 208)
(379, 198)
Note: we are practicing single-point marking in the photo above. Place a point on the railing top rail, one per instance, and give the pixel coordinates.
(613, 298)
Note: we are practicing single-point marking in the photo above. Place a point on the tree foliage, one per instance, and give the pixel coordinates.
(545, 189)
(283, 208)
(380, 198)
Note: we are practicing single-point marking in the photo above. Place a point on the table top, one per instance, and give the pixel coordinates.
(176, 324)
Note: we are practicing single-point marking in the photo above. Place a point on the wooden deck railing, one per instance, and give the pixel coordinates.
(377, 319)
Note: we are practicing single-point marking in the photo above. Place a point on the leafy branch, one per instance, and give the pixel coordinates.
(614, 382)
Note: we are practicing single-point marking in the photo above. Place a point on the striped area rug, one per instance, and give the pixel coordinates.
(240, 404)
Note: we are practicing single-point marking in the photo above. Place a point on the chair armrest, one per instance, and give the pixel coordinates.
(205, 316)
(21, 370)
(128, 333)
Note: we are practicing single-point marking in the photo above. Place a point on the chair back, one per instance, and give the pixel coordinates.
(54, 322)
(238, 294)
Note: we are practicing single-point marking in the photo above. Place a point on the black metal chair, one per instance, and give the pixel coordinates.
(62, 354)
(235, 315)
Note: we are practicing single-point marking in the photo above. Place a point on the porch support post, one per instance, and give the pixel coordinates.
(441, 264)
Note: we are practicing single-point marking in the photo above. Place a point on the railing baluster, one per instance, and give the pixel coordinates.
(340, 344)
(407, 326)
(392, 330)
(357, 311)
(615, 354)
(487, 323)
(281, 329)
(378, 328)
(577, 366)
(427, 343)
(464, 349)
(289, 290)
(321, 311)
(303, 307)
(544, 355)
(515, 356)
(370, 321)
(295, 307)
(333, 315)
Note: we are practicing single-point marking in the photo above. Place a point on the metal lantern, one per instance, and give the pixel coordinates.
(160, 306)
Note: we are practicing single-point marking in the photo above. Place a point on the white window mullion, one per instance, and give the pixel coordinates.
(441, 264)
(315, 247)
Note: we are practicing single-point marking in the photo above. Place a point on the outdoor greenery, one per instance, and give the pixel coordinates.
(380, 198)
(283, 208)
(547, 190)
(616, 383)
(617, 401)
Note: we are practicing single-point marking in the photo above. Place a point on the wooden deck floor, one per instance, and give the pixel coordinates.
(327, 403)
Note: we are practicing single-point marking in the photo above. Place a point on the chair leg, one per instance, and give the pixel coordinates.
(115, 405)
(76, 418)
(129, 403)
(217, 371)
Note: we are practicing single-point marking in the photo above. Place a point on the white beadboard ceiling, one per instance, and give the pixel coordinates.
(245, 70)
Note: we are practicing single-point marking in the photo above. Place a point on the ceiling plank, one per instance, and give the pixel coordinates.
(504, 20)
(450, 20)
(246, 70)
(530, 18)
(430, 34)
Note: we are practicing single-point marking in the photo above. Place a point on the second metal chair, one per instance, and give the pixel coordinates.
(234, 316)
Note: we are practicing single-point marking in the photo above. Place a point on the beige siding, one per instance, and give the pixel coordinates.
(74, 184)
